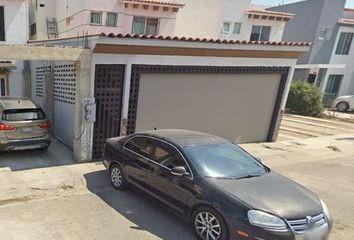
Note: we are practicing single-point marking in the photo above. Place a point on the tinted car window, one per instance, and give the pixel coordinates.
(168, 156)
(140, 145)
(224, 160)
(23, 114)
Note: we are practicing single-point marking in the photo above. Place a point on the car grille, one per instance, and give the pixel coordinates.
(301, 225)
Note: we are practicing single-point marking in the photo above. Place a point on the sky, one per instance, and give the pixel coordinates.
(350, 3)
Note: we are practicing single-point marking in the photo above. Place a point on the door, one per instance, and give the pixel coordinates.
(168, 188)
(3, 85)
(332, 89)
(138, 152)
(108, 94)
(238, 107)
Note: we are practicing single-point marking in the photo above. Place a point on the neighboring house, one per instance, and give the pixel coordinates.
(217, 19)
(13, 30)
(62, 19)
(229, 19)
(330, 27)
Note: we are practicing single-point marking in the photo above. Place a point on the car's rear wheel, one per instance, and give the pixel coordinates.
(117, 177)
(208, 224)
(342, 106)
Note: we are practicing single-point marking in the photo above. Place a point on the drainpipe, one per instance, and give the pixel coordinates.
(126, 96)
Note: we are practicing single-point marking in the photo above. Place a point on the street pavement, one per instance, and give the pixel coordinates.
(76, 201)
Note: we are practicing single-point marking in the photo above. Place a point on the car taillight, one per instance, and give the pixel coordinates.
(4, 127)
(45, 125)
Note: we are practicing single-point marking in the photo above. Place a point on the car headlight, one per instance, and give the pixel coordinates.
(326, 210)
(265, 220)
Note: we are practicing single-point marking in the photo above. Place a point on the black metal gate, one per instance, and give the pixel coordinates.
(109, 81)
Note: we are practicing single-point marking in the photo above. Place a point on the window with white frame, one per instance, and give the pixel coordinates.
(326, 34)
(96, 18)
(226, 27)
(144, 25)
(237, 28)
(260, 33)
(344, 43)
(111, 19)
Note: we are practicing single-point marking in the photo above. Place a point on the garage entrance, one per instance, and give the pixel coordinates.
(237, 103)
(109, 81)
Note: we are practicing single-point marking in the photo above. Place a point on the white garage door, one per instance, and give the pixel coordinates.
(238, 107)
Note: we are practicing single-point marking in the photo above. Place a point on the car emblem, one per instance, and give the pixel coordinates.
(310, 222)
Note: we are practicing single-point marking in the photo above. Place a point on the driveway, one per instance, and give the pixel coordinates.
(76, 201)
(57, 155)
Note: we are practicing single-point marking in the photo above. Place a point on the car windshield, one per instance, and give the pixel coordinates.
(23, 114)
(224, 160)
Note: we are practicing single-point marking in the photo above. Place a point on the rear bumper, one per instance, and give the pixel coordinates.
(25, 144)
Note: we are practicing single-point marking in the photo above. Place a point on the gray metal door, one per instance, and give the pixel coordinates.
(109, 81)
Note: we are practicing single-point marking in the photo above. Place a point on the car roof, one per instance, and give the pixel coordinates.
(184, 138)
(16, 103)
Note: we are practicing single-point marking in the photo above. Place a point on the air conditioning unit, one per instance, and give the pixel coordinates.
(41, 3)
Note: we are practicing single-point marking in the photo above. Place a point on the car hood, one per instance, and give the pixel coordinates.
(272, 193)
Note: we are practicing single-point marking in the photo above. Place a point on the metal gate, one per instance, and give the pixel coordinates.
(109, 81)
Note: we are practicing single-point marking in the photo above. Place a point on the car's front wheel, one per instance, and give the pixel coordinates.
(342, 107)
(117, 177)
(208, 224)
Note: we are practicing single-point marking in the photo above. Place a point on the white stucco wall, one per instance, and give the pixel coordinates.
(347, 86)
(16, 32)
(16, 21)
(198, 18)
(205, 18)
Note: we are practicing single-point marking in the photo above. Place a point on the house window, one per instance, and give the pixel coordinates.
(33, 30)
(111, 20)
(332, 88)
(3, 87)
(96, 18)
(2, 24)
(260, 33)
(344, 43)
(326, 34)
(237, 28)
(143, 25)
(226, 27)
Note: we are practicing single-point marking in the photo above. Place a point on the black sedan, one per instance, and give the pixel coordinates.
(223, 191)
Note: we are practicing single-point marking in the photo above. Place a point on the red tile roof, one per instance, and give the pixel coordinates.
(204, 40)
(346, 21)
(270, 13)
(174, 3)
(349, 9)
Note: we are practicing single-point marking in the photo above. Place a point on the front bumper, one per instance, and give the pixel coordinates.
(255, 233)
(25, 144)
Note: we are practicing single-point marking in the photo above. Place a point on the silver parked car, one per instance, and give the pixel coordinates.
(344, 103)
(23, 125)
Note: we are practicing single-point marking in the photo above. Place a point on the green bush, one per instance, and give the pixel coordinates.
(304, 99)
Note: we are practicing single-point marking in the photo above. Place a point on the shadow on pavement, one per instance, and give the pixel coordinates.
(57, 155)
(139, 208)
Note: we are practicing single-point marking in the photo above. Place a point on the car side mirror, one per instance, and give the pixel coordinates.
(179, 171)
